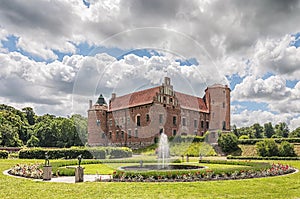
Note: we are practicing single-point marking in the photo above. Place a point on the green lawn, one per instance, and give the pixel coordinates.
(273, 187)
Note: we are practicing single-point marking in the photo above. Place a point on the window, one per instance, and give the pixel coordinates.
(171, 100)
(207, 125)
(116, 121)
(174, 120)
(110, 136)
(161, 131)
(129, 133)
(202, 124)
(122, 134)
(117, 135)
(147, 118)
(136, 133)
(128, 120)
(138, 120)
(223, 104)
(98, 122)
(224, 125)
(103, 135)
(110, 122)
(183, 121)
(213, 102)
(195, 133)
(174, 132)
(160, 118)
(195, 124)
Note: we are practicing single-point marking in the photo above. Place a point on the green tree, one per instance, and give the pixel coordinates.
(295, 133)
(33, 141)
(268, 130)
(282, 130)
(9, 136)
(30, 115)
(257, 130)
(286, 149)
(228, 142)
(267, 148)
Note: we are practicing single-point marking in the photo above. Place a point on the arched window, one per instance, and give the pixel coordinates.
(138, 120)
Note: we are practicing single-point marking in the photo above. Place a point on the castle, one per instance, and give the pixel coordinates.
(137, 119)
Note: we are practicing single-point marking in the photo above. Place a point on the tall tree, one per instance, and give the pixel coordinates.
(282, 130)
(269, 130)
(258, 130)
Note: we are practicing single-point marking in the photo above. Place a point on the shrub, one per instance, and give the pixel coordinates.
(277, 140)
(267, 147)
(243, 137)
(3, 154)
(74, 152)
(228, 142)
(286, 150)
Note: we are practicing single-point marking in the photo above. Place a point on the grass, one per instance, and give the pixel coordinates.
(273, 187)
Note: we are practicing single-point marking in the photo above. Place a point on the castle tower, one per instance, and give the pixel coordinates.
(97, 122)
(217, 99)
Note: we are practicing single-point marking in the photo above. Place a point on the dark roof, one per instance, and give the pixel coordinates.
(101, 100)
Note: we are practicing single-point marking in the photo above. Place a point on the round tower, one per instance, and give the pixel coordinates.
(217, 99)
(97, 123)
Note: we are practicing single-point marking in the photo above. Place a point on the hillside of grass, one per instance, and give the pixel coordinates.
(183, 148)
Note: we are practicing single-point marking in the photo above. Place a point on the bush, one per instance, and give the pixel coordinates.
(243, 137)
(277, 140)
(267, 148)
(286, 150)
(73, 153)
(261, 158)
(228, 142)
(3, 154)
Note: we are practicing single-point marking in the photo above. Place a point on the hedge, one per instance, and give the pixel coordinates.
(3, 154)
(73, 153)
(262, 158)
(187, 138)
(277, 140)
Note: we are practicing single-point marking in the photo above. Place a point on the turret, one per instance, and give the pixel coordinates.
(217, 98)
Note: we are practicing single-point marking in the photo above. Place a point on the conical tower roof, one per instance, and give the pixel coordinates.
(101, 100)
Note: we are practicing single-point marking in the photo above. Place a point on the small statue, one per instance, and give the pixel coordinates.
(46, 159)
(79, 160)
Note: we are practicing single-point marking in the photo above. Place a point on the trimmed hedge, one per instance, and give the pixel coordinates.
(187, 138)
(73, 153)
(3, 154)
(277, 140)
(262, 158)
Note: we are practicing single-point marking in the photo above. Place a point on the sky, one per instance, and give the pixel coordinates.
(56, 55)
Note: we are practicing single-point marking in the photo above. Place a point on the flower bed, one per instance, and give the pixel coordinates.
(28, 171)
(203, 175)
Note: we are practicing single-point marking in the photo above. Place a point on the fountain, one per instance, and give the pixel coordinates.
(163, 151)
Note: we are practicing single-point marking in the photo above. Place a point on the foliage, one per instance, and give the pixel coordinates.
(261, 158)
(74, 152)
(295, 133)
(277, 140)
(268, 130)
(267, 147)
(18, 128)
(286, 149)
(3, 154)
(282, 129)
(228, 142)
(243, 137)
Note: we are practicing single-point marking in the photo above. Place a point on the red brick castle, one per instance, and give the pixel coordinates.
(138, 118)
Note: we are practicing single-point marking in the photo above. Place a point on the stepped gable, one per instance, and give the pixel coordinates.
(191, 102)
(134, 99)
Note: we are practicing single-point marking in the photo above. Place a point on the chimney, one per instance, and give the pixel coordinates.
(113, 96)
(91, 103)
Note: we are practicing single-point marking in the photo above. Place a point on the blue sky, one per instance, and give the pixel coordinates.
(103, 46)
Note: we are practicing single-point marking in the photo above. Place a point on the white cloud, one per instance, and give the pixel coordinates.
(248, 118)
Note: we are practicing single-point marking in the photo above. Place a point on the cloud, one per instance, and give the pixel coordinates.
(248, 118)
